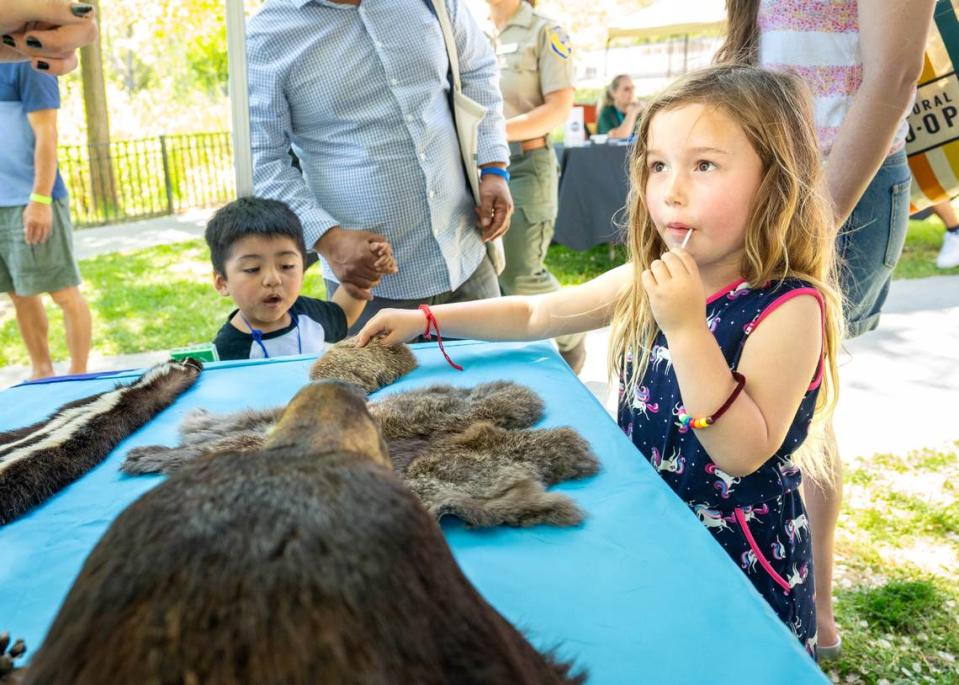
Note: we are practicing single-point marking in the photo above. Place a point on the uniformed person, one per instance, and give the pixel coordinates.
(536, 78)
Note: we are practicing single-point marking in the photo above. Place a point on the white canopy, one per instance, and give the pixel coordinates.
(672, 17)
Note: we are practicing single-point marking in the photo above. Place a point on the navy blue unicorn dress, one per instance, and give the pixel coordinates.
(758, 519)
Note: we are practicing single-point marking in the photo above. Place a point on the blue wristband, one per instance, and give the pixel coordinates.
(496, 171)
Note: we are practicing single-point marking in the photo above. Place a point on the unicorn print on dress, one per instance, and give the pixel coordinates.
(726, 483)
(748, 561)
(738, 291)
(787, 467)
(798, 577)
(659, 355)
(675, 464)
(711, 518)
(712, 322)
(795, 527)
(641, 401)
(751, 513)
(778, 549)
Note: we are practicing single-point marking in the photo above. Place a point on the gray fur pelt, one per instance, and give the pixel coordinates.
(467, 452)
(39, 460)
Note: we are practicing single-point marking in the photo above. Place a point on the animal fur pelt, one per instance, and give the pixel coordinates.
(370, 367)
(39, 460)
(306, 561)
(466, 452)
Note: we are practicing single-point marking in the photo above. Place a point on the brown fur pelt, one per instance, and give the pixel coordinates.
(273, 566)
(370, 367)
(39, 460)
(467, 452)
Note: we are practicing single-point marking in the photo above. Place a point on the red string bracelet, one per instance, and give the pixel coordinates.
(431, 323)
(687, 420)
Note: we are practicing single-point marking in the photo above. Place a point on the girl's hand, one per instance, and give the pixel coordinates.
(394, 325)
(676, 293)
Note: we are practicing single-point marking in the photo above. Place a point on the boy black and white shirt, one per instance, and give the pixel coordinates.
(314, 326)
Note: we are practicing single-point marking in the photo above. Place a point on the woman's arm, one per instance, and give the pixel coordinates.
(571, 310)
(539, 121)
(625, 129)
(892, 39)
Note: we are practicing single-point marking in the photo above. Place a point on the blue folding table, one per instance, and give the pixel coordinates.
(639, 593)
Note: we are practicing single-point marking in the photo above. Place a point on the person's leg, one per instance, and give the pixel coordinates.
(32, 321)
(534, 187)
(869, 245)
(948, 257)
(76, 321)
(823, 502)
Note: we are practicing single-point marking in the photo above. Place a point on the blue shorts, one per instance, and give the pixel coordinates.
(870, 243)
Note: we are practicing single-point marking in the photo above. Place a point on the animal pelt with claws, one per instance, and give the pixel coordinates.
(38, 460)
(271, 566)
(467, 452)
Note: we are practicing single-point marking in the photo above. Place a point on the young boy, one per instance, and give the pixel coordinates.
(257, 250)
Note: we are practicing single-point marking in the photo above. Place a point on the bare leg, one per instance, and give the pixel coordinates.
(947, 213)
(823, 501)
(32, 320)
(76, 320)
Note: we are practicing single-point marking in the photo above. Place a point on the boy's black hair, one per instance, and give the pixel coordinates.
(250, 216)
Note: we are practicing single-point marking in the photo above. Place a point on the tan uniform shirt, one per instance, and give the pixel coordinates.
(534, 57)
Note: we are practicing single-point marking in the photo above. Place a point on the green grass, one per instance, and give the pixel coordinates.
(161, 297)
(152, 299)
(897, 570)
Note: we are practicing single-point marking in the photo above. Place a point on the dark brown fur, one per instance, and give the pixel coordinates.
(308, 561)
(29, 476)
(464, 451)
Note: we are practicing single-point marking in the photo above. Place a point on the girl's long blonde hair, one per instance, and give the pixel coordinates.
(790, 231)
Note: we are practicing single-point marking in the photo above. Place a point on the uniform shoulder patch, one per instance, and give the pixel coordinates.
(559, 42)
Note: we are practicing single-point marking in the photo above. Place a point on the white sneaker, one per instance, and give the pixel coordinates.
(949, 253)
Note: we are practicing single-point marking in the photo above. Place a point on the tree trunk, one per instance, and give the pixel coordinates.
(102, 182)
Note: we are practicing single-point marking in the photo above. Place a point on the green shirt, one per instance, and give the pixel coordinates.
(609, 118)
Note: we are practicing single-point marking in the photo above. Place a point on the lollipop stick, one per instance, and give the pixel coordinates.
(686, 239)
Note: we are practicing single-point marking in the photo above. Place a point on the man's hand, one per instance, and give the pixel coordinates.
(496, 207)
(47, 32)
(355, 263)
(37, 220)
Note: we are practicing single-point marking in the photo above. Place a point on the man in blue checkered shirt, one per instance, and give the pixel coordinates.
(359, 90)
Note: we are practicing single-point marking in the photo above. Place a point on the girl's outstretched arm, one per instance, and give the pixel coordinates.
(778, 361)
(571, 310)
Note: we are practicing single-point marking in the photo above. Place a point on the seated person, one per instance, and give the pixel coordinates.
(257, 250)
(617, 118)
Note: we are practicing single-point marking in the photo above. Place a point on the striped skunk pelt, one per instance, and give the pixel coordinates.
(305, 561)
(39, 460)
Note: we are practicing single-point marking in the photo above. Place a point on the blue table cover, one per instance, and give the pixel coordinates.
(639, 593)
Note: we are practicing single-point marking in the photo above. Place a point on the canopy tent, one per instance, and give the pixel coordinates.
(670, 18)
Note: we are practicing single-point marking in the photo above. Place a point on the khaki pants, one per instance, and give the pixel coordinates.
(534, 180)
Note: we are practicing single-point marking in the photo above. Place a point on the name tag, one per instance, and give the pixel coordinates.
(507, 48)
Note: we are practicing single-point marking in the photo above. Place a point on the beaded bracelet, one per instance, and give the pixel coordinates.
(687, 421)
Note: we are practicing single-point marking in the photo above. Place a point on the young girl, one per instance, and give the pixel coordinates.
(722, 347)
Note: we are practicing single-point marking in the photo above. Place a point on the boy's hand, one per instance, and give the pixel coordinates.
(394, 326)
(386, 261)
(676, 293)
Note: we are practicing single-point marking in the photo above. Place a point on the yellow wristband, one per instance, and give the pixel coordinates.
(42, 199)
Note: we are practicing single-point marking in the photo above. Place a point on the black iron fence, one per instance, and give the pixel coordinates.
(138, 179)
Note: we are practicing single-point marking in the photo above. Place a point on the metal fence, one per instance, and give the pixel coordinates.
(138, 179)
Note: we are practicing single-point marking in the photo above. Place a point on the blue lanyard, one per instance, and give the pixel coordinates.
(258, 334)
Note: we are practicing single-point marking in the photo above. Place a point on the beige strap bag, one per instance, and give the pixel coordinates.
(467, 115)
